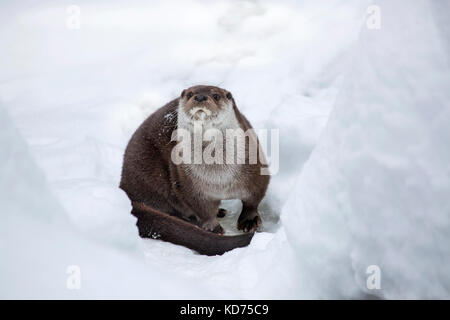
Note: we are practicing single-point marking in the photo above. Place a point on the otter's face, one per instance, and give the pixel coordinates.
(204, 103)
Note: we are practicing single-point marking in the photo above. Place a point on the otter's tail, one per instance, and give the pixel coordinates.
(155, 224)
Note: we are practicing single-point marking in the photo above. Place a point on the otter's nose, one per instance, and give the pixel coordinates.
(200, 98)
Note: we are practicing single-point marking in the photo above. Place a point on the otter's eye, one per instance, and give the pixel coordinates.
(189, 95)
(216, 97)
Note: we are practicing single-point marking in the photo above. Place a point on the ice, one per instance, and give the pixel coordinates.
(366, 185)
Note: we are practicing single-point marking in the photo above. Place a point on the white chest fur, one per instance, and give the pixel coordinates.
(216, 181)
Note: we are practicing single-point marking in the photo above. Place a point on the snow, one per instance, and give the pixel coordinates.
(375, 190)
(364, 165)
(39, 244)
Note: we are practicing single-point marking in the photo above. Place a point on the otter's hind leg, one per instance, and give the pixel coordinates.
(249, 219)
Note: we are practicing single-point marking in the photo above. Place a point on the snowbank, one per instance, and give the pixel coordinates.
(375, 190)
(39, 247)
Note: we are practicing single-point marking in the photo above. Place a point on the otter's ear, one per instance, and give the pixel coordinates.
(183, 93)
(229, 96)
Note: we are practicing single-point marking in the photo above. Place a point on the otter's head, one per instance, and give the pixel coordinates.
(205, 103)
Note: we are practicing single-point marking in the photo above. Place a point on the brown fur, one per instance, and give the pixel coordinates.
(172, 203)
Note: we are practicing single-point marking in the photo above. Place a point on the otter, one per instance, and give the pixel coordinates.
(179, 202)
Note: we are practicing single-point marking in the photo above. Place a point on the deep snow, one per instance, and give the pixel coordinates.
(376, 188)
(373, 192)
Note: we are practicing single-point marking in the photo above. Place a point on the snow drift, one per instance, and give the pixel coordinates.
(375, 190)
(39, 247)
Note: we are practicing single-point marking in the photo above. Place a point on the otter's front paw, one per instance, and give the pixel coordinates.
(213, 226)
(250, 224)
